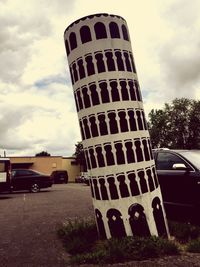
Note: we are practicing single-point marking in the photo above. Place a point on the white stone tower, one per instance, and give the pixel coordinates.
(125, 190)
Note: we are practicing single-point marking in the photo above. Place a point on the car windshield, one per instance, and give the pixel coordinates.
(192, 156)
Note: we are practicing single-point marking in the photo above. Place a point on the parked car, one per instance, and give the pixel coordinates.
(78, 179)
(59, 176)
(179, 177)
(82, 178)
(86, 180)
(24, 179)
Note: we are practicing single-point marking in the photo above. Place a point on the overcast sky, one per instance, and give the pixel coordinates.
(37, 108)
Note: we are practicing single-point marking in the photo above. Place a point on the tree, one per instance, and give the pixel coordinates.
(177, 125)
(194, 126)
(80, 156)
(158, 120)
(43, 154)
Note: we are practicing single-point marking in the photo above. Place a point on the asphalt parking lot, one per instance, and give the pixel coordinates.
(28, 224)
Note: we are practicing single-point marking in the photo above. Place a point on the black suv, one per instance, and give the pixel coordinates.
(24, 179)
(59, 176)
(179, 176)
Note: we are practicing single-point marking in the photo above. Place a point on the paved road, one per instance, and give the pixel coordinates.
(28, 224)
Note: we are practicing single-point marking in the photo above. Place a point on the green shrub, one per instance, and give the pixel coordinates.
(194, 246)
(183, 232)
(150, 247)
(126, 249)
(78, 236)
(114, 250)
(166, 247)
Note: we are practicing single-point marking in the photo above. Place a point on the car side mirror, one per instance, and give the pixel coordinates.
(180, 166)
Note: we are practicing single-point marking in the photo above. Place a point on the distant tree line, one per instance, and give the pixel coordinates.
(80, 156)
(177, 125)
(43, 154)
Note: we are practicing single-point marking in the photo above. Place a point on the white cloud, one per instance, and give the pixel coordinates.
(37, 109)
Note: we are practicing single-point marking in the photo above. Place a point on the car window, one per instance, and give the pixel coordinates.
(23, 173)
(165, 161)
(192, 156)
(30, 173)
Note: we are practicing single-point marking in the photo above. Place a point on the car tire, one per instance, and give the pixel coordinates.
(87, 182)
(11, 189)
(34, 188)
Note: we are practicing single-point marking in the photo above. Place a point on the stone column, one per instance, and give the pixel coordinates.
(125, 190)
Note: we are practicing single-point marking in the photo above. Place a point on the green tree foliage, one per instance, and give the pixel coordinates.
(80, 156)
(43, 154)
(177, 125)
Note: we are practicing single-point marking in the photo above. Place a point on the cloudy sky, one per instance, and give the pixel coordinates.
(37, 109)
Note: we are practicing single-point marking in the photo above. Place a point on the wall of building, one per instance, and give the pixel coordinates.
(72, 168)
(48, 164)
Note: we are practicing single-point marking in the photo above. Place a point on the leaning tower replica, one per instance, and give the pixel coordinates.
(125, 190)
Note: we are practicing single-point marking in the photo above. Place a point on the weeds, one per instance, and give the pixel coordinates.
(78, 236)
(126, 249)
(81, 240)
(184, 232)
(194, 246)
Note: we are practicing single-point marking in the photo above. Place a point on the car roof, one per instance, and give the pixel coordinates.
(59, 171)
(175, 150)
(23, 170)
(182, 153)
(3, 159)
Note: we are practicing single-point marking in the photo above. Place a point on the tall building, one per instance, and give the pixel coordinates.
(125, 190)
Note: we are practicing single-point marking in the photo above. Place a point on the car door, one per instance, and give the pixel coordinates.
(177, 186)
(17, 179)
(21, 179)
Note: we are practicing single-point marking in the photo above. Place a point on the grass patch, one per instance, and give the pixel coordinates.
(184, 232)
(80, 238)
(126, 249)
(194, 246)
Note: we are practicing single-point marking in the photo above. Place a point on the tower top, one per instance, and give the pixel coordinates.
(91, 17)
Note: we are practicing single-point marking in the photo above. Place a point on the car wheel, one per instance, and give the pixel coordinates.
(87, 182)
(11, 189)
(35, 188)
